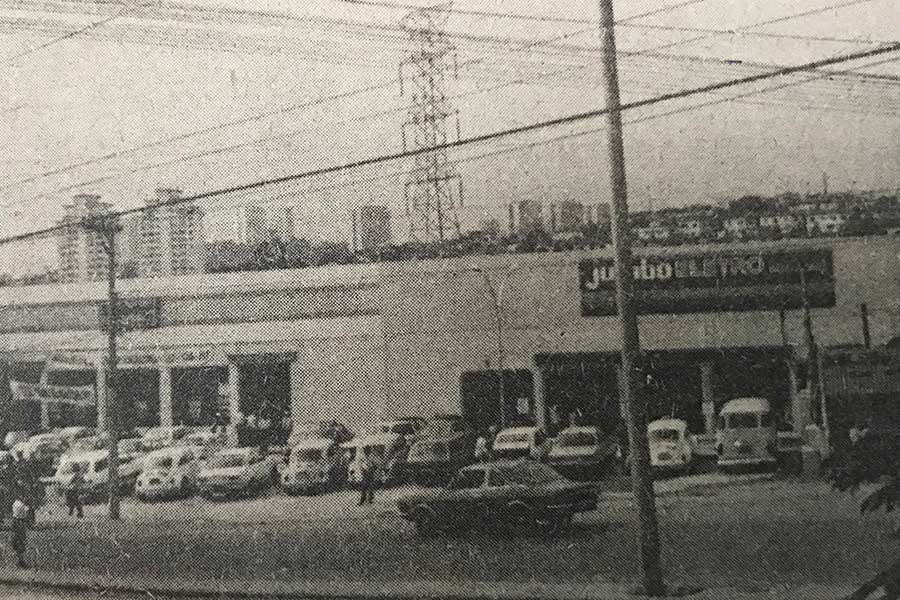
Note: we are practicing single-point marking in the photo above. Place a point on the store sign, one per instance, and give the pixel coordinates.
(712, 282)
(133, 313)
(53, 394)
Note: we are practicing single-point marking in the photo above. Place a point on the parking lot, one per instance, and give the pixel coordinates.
(747, 531)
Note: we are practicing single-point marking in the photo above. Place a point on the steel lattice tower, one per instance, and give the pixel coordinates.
(433, 190)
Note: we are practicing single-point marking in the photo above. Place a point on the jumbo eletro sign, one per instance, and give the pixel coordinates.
(713, 281)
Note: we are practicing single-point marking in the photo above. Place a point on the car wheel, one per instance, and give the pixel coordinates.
(425, 520)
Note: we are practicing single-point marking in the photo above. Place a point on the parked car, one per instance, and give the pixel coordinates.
(236, 471)
(521, 442)
(168, 472)
(314, 465)
(163, 437)
(518, 494)
(94, 467)
(69, 435)
(40, 447)
(15, 437)
(388, 449)
(671, 448)
(442, 447)
(746, 436)
(208, 443)
(583, 452)
(312, 430)
(408, 428)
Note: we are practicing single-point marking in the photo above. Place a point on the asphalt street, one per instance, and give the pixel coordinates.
(746, 532)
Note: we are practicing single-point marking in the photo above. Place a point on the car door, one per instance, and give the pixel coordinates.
(460, 504)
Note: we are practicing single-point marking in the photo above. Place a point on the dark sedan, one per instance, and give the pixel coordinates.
(519, 494)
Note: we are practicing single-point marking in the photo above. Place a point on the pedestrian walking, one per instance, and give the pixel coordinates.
(20, 517)
(73, 492)
(368, 469)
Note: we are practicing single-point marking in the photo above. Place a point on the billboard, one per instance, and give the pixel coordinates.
(133, 313)
(711, 281)
(53, 394)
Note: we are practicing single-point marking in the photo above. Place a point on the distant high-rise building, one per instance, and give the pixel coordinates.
(81, 254)
(525, 216)
(252, 224)
(597, 214)
(170, 238)
(371, 227)
(566, 216)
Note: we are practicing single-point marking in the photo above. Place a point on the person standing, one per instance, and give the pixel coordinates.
(20, 518)
(481, 449)
(368, 470)
(73, 492)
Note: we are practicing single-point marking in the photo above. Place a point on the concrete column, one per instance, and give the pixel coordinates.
(101, 398)
(540, 400)
(234, 401)
(709, 398)
(165, 396)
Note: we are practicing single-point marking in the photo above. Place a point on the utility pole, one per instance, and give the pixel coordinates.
(497, 299)
(106, 228)
(632, 406)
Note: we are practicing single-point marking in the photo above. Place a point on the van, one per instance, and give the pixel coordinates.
(746, 434)
(670, 445)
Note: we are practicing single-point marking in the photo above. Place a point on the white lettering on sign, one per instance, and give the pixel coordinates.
(662, 270)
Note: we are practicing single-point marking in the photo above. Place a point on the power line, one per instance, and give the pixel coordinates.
(540, 125)
(381, 85)
(127, 9)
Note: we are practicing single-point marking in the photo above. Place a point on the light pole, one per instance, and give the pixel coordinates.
(497, 298)
(106, 228)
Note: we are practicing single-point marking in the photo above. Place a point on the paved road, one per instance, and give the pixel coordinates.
(8, 592)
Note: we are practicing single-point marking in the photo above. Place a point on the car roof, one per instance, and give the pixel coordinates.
(173, 451)
(90, 455)
(581, 429)
(522, 429)
(376, 439)
(744, 405)
(314, 443)
(236, 451)
(667, 424)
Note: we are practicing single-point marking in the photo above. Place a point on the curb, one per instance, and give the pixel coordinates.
(364, 590)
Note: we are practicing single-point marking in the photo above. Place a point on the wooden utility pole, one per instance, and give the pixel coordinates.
(632, 404)
(106, 228)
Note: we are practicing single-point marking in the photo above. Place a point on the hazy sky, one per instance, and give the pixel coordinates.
(145, 77)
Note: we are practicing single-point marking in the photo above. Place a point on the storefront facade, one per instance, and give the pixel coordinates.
(364, 342)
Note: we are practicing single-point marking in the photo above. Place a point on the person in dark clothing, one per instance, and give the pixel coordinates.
(19, 538)
(73, 493)
(368, 471)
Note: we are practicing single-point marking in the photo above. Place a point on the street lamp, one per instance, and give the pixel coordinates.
(496, 294)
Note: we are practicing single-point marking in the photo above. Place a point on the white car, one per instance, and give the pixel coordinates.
(583, 452)
(163, 437)
(94, 468)
(207, 442)
(314, 465)
(670, 445)
(70, 435)
(43, 446)
(520, 442)
(168, 472)
(236, 471)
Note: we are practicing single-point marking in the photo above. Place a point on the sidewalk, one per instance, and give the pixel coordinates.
(364, 590)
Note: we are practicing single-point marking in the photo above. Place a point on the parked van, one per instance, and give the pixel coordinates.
(94, 468)
(388, 449)
(746, 434)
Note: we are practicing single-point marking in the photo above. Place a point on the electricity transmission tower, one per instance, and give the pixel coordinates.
(433, 189)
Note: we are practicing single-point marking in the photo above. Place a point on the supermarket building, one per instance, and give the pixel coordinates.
(364, 342)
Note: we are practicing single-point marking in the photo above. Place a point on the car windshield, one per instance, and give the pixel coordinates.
(512, 438)
(575, 439)
(664, 435)
(401, 429)
(68, 467)
(159, 462)
(227, 461)
(742, 421)
(429, 450)
(307, 454)
(525, 473)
